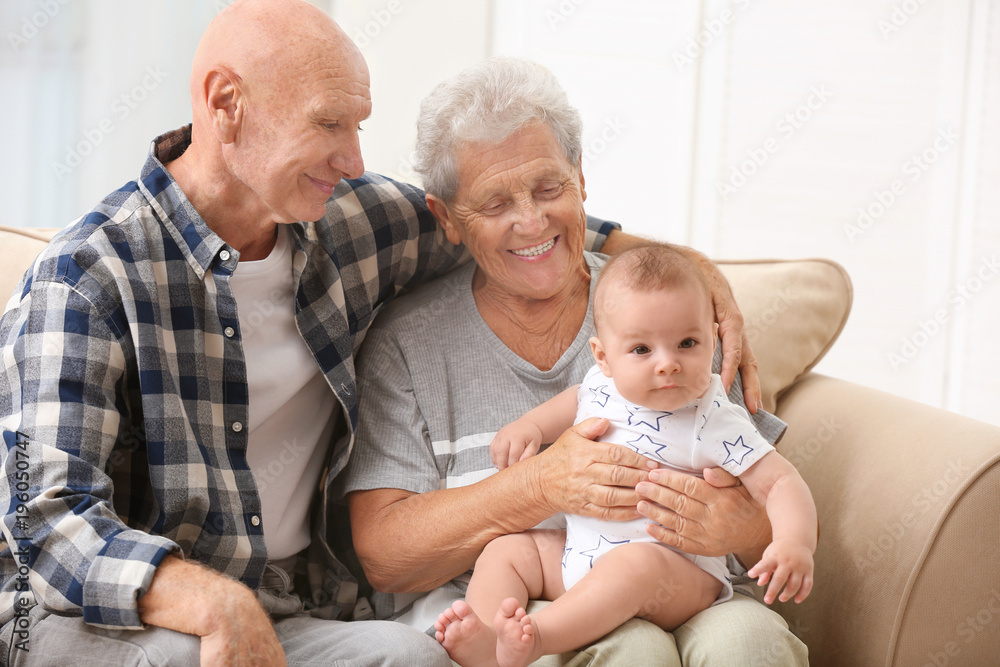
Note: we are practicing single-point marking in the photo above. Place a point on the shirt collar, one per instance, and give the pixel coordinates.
(189, 230)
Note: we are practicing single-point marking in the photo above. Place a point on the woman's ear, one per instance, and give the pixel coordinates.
(225, 103)
(440, 211)
(583, 182)
(600, 356)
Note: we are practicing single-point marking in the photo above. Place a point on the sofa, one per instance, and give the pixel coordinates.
(907, 568)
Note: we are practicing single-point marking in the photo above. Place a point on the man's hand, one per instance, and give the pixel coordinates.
(696, 517)
(193, 599)
(597, 479)
(736, 353)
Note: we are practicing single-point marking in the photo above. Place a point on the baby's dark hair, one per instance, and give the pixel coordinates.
(646, 268)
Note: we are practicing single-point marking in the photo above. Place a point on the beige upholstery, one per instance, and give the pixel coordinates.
(909, 496)
(793, 312)
(18, 247)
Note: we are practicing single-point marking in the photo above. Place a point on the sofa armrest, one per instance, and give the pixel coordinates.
(908, 497)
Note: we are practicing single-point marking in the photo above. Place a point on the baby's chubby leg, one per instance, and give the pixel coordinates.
(644, 580)
(515, 568)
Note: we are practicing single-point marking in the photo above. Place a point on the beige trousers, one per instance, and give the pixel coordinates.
(741, 631)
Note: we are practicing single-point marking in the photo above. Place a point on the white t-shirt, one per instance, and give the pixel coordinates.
(292, 408)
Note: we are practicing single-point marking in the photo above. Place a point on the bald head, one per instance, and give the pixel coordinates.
(273, 47)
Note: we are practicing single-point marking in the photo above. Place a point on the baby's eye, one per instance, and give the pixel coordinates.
(640, 349)
(687, 343)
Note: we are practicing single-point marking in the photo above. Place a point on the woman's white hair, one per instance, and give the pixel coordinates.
(488, 102)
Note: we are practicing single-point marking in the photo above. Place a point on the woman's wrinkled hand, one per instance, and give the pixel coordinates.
(576, 475)
(705, 518)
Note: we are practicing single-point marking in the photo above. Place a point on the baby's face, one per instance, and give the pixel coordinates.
(658, 345)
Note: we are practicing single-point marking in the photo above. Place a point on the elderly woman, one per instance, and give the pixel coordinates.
(443, 369)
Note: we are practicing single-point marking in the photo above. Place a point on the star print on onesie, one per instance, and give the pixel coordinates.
(706, 433)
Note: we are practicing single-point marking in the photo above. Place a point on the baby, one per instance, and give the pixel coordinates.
(653, 381)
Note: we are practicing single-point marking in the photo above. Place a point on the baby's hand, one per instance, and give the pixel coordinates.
(785, 563)
(515, 442)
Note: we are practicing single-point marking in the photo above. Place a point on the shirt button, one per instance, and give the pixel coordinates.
(255, 520)
(230, 332)
(237, 427)
(224, 255)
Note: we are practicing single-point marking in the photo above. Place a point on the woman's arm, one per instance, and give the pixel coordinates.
(411, 542)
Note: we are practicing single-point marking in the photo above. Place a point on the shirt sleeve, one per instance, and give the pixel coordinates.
(384, 228)
(597, 233)
(62, 414)
(392, 447)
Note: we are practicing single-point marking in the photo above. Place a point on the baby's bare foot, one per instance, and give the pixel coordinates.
(466, 638)
(517, 641)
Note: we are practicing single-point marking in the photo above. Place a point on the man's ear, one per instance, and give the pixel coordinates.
(600, 356)
(440, 211)
(225, 103)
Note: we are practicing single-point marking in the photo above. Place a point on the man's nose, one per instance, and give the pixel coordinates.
(346, 158)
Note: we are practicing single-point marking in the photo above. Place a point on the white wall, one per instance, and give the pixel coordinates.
(746, 128)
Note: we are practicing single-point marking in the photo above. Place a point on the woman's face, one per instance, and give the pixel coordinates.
(519, 210)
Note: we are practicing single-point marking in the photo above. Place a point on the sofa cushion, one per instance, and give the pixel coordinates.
(794, 310)
(18, 249)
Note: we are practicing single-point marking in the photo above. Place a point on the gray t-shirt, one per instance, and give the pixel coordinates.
(435, 384)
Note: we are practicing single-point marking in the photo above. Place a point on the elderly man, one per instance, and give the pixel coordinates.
(178, 391)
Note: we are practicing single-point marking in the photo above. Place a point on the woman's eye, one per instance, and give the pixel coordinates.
(640, 349)
(688, 342)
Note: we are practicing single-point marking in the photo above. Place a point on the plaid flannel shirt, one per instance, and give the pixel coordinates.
(123, 394)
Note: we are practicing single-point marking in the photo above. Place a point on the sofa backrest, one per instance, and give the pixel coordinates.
(793, 311)
(18, 249)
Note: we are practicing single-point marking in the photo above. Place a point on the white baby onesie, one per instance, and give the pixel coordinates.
(707, 432)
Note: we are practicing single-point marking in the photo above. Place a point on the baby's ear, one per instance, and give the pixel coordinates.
(715, 335)
(600, 356)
